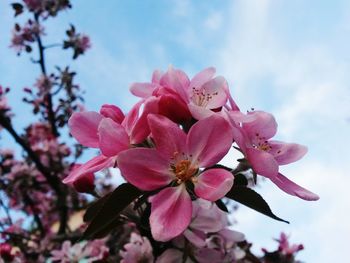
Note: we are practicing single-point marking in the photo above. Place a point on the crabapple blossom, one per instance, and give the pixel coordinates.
(265, 156)
(138, 249)
(177, 160)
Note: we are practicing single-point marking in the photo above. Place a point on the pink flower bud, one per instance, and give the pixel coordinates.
(5, 252)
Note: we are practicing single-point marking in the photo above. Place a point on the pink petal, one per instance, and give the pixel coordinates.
(209, 140)
(208, 217)
(240, 117)
(170, 213)
(176, 80)
(94, 165)
(213, 184)
(262, 162)
(113, 112)
(286, 153)
(174, 108)
(145, 168)
(156, 76)
(168, 136)
(132, 117)
(264, 125)
(234, 106)
(217, 89)
(196, 240)
(292, 188)
(113, 137)
(141, 130)
(83, 126)
(199, 112)
(202, 77)
(143, 90)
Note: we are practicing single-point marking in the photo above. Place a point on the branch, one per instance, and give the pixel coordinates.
(51, 114)
(37, 219)
(5, 122)
(61, 195)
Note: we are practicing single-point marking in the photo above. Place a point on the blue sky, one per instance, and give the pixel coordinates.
(291, 58)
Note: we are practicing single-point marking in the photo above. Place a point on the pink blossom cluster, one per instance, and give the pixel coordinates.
(90, 251)
(47, 8)
(207, 239)
(170, 142)
(286, 251)
(45, 144)
(76, 41)
(23, 37)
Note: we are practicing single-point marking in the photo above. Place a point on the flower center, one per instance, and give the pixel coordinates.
(200, 97)
(184, 171)
(262, 144)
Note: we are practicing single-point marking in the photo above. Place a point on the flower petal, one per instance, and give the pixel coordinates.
(141, 130)
(168, 136)
(199, 112)
(213, 184)
(94, 165)
(170, 213)
(83, 126)
(143, 90)
(176, 80)
(262, 162)
(264, 125)
(209, 140)
(198, 241)
(113, 112)
(286, 153)
(145, 168)
(216, 88)
(208, 217)
(202, 77)
(174, 108)
(292, 188)
(132, 117)
(112, 137)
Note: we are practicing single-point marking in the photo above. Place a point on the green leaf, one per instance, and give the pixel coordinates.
(220, 204)
(107, 212)
(253, 200)
(95, 207)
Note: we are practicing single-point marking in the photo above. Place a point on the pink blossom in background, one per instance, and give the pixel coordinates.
(87, 251)
(138, 249)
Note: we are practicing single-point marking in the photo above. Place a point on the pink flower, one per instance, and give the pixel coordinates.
(176, 162)
(6, 252)
(138, 249)
(109, 131)
(168, 88)
(287, 249)
(265, 155)
(206, 218)
(206, 93)
(202, 95)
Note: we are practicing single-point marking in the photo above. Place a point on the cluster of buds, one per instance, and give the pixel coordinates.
(76, 41)
(285, 253)
(4, 107)
(24, 36)
(44, 8)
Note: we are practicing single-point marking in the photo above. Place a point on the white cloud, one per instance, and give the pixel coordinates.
(307, 89)
(213, 21)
